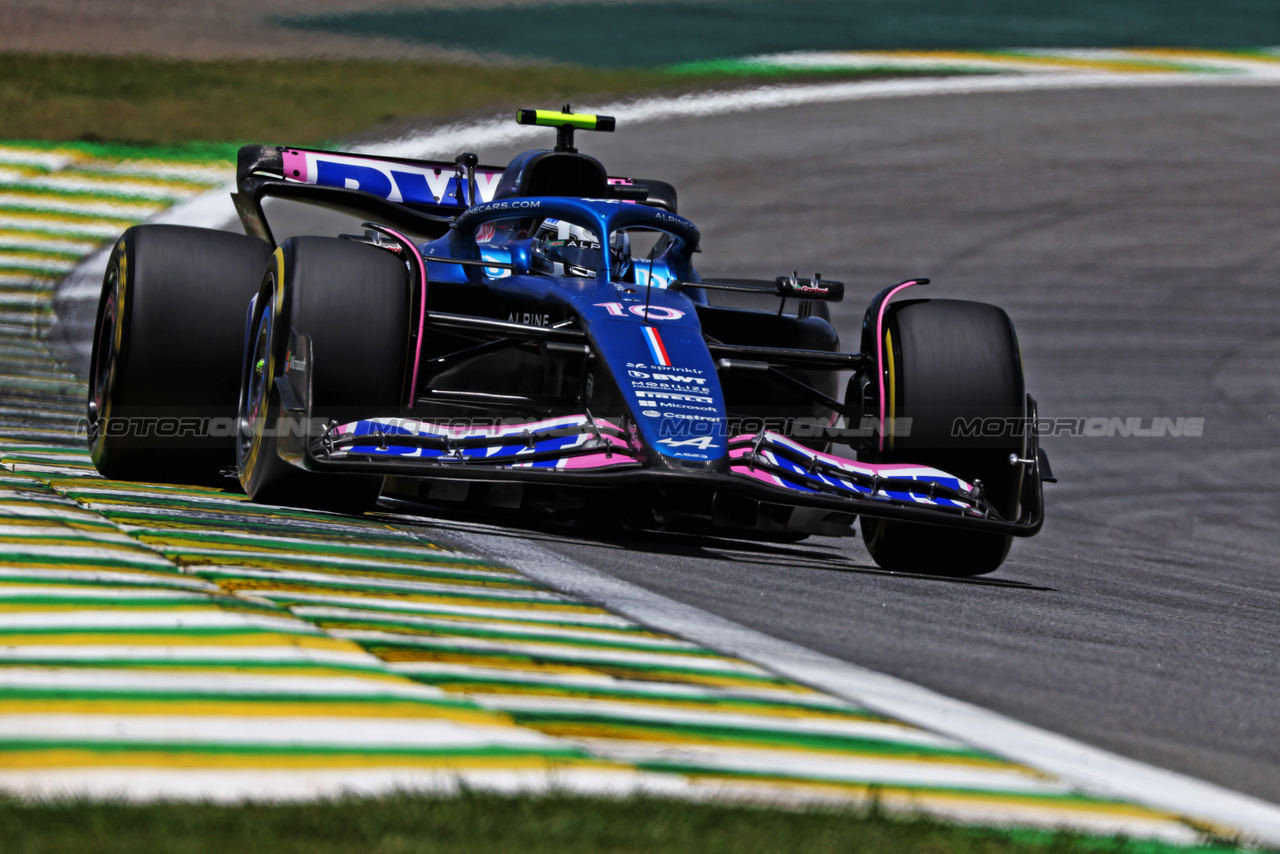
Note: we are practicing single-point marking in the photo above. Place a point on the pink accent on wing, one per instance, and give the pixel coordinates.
(598, 461)
(880, 349)
(900, 469)
(487, 182)
(295, 165)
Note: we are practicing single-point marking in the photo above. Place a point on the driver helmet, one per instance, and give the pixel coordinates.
(575, 250)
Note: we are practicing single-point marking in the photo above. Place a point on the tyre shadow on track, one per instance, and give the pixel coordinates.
(821, 555)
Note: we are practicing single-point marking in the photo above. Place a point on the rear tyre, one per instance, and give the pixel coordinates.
(352, 300)
(167, 346)
(948, 361)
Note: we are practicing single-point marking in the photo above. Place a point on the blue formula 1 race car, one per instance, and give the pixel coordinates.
(535, 339)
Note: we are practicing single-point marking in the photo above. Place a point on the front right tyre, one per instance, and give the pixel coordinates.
(352, 301)
(953, 368)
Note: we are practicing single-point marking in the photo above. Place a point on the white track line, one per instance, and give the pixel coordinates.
(214, 210)
(1095, 770)
(448, 140)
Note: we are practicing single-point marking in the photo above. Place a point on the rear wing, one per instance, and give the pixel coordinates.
(420, 196)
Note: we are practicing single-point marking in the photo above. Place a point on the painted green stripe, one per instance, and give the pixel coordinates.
(55, 452)
(338, 584)
(24, 383)
(72, 692)
(141, 207)
(221, 154)
(140, 603)
(32, 635)
(176, 503)
(347, 600)
(1012, 796)
(371, 576)
(86, 561)
(463, 631)
(69, 219)
(302, 549)
(187, 695)
(7, 244)
(423, 621)
(102, 194)
(152, 523)
(761, 736)
(607, 665)
(711, 702)
(112, 173)
(176, 662)
(95, 229)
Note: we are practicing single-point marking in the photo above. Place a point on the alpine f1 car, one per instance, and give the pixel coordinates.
(535, 339)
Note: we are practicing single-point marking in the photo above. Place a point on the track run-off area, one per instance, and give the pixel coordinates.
(169, 641)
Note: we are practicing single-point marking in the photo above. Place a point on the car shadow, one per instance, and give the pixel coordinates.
(823, 554)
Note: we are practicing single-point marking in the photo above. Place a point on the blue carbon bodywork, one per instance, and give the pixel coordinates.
(649, 339)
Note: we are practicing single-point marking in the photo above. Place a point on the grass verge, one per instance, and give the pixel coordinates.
(477, 824)
(154, 101)
(146, 101)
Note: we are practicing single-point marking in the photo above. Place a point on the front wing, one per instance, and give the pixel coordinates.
(586, 451)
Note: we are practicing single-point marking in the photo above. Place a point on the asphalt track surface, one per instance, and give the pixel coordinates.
(1134, 237)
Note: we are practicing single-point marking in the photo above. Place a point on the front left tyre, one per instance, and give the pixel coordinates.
(167, 347)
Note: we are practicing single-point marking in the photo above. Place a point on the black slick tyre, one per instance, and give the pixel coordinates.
(950, 366)
(352, 301)
(167, 347)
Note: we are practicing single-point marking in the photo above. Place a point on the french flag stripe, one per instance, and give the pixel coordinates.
(656, 348)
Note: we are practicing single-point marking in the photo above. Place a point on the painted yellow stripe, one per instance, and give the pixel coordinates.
(259, 668)
(1114, 65)
(283, 760)
(621, 670)
(88, 180)
(249, 638)
(281, 589)
(1192, 54)
(383, 621)
(319, 707)
(711, 705)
